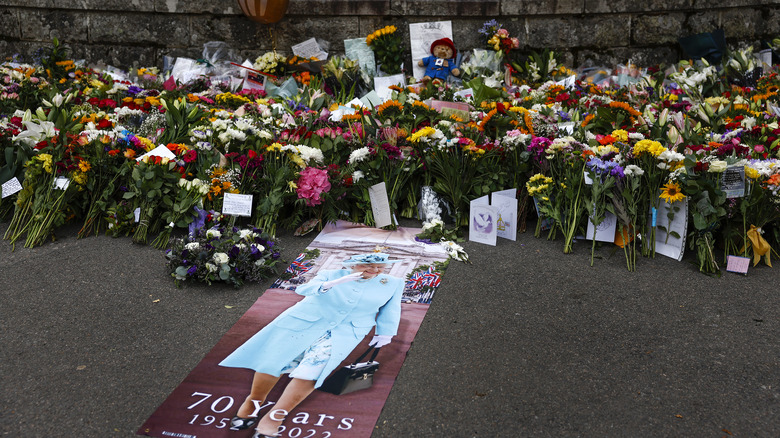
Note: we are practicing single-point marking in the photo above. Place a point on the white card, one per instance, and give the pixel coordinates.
(506, 221)
(61, 183)
(371, 100)
(674, 247)
(482, 223)
(465, 94)
(421, 36)
(382, 84)
(380, 205)
(606, 230)
(137, 214)
(159, 151)
(10, 187)
(310, 49)
(236, 204)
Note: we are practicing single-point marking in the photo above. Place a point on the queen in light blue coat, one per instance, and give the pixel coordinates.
(311, 338)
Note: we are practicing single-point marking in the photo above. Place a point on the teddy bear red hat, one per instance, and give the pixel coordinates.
(445, 42)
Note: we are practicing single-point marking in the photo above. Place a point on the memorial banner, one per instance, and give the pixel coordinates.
(358, 283)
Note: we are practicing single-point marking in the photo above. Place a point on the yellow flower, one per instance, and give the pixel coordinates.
(671, 193)
(274, 147)
(648, 146)
(84, 166)
(620, 135)
(80, 178)
(46, 158)
(424, 132)
(751, 173)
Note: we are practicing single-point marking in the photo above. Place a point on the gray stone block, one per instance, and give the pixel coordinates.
(643, 57)
(151, 29)
(531, 7)
(713, 4)
(742, 24)
(650, 30)
(239, 31)
(450, 8)
(29, 3)
(45, 25)
(700, 22)
(219, 7)
(339, 7)
(609, 6)
(9, 24)
(573, 32)
(121, 56)
(105, 5)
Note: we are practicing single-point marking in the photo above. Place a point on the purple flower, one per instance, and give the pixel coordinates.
(192, 270)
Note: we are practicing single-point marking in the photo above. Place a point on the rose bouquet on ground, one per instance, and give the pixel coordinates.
(228, 254)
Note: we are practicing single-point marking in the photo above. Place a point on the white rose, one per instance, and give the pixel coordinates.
(718, 166)
(221, 258)
(213, 233)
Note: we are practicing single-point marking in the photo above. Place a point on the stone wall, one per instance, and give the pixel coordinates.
(141, 32)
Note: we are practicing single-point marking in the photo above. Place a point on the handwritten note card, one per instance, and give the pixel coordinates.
(380, 205)
(738, 264)
(235, 204)
(10, 187)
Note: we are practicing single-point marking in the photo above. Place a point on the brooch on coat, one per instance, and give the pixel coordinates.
(383, 281)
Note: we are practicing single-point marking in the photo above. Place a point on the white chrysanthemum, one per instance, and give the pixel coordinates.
(636, 136)
(633, 170)
(357, 175)
(192, 246)
(359, 155)
(309, 154)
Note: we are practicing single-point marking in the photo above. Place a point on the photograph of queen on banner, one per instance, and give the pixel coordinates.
(273, 372)
(310, 339)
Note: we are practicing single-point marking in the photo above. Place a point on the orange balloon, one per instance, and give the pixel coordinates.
(264, 11)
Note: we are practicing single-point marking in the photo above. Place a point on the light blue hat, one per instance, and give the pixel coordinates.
(374, 257)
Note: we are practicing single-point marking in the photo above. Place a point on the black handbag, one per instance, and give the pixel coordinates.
(352, 377)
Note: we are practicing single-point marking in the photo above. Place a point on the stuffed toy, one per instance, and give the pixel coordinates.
(441, 64)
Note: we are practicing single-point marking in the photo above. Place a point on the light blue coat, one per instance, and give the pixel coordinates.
(349, 310)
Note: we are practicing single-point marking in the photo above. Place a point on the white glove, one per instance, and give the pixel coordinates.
(344, 279)
(380, 341)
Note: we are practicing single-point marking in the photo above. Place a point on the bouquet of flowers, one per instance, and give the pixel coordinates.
(388, 49)
(154, 183)
(227, 254)
(497, 38)
(182, 212)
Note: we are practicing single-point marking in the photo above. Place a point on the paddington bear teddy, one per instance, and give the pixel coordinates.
(441, 64)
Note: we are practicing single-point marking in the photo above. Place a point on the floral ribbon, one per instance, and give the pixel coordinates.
(760, 246)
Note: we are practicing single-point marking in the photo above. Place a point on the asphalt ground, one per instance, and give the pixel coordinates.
(523, 342)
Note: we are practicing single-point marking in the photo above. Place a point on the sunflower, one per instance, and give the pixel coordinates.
(672, 193)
